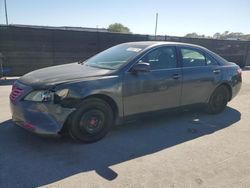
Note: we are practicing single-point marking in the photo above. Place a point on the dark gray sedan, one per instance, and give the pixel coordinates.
(86, 98)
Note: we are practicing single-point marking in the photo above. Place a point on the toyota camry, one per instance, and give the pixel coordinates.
(86, 98)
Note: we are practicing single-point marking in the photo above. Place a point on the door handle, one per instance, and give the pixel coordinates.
(176, 76)
(216, 71)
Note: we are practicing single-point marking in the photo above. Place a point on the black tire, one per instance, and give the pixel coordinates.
(92, 121)
(218, 100)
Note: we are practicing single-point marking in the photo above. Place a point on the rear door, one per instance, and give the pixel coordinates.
(157, 89)
(200, 73)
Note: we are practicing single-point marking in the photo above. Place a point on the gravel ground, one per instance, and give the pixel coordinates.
(191, 149)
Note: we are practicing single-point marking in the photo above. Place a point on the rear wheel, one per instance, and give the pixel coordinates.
(218, 100)
(92, 121)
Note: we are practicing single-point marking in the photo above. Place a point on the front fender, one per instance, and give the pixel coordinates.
(109, 86)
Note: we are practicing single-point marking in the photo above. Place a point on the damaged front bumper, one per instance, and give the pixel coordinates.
(40, 118)
(44, 118)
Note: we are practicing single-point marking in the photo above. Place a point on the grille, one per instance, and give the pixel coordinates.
(15, 93)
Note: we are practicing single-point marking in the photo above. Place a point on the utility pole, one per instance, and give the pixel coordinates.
(156, 22)
(6, 15)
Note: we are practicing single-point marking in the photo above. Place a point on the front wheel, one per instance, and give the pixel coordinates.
(92, 121)
(218, 100)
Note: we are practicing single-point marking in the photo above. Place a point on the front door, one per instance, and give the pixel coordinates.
(158, 89)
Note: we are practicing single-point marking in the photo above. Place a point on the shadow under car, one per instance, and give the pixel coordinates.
(30, 161)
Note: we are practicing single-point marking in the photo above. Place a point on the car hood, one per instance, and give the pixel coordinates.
(60, 74)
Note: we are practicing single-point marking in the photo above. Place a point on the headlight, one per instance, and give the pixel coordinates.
(39, 96)
(62, 93)
(46, 95)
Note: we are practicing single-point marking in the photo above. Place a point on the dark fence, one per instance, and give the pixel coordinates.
(26, 49)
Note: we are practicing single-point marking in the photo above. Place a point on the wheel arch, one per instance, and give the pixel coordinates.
(227, 85)
(107, 99)
(76, 103)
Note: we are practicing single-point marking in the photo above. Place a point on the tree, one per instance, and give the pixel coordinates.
(192, 35)
(236, 35)
(195, 35)
(227, 35)
(217, 36)
(117, 27)
(224, 35)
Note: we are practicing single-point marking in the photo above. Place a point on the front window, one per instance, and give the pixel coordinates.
(115, 57)
(161, 58)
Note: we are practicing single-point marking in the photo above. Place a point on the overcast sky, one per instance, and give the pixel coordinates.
(176, 17)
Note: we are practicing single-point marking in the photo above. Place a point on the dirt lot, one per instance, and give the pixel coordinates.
(191, 149)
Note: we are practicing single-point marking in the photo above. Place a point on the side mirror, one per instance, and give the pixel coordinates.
(141, 67)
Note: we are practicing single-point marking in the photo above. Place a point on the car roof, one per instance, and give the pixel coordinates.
(159, 43)
(151, 44)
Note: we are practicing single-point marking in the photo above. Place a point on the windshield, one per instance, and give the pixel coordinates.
(115, 57)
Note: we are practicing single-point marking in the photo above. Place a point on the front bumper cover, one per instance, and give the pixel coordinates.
(40, 118)
(45, 118)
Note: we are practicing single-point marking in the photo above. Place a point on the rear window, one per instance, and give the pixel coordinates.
(217, 57)
(192, 58)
